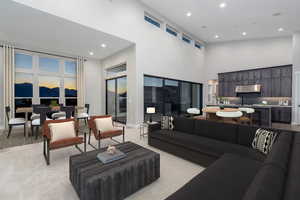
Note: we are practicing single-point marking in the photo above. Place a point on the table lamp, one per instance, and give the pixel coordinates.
(150, 111)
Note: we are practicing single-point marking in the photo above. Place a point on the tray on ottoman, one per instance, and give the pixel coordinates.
(117, 180)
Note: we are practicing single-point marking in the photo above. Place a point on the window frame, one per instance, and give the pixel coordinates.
(172, 31)
(187, 39)
(152, 20)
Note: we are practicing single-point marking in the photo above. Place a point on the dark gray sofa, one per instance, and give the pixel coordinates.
(235, 171)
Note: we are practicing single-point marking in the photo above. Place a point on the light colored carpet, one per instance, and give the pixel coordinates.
(24, 174)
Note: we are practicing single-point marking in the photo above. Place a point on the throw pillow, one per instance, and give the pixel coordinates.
(61, 131)
(264, 140)
(104, 124)
(167, 123)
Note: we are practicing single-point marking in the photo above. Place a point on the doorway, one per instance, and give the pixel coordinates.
(116, 98)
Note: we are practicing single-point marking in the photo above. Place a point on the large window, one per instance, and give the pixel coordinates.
(170, 97)
(43, 79)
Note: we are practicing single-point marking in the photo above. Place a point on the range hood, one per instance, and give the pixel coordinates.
(248, 88)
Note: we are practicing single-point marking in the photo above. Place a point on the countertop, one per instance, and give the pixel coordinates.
(251, 106)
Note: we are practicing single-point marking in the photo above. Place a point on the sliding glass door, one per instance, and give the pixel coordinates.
(170, 97)
(116, 98)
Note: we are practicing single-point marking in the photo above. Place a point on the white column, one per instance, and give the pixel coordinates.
(296, 69)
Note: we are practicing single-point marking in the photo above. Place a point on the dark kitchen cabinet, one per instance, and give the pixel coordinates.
(276, 87)
(274, 81)
(266, 87)
(282, 114)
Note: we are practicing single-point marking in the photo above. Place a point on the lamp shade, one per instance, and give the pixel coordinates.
(150, 110)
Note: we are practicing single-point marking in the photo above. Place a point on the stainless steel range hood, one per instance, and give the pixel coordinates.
(248, 89)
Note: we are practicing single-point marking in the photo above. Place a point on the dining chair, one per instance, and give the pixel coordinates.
(84, 115)
(12, 122)
(69, 111)
(229, 117)
(60, 114)
(36, 123)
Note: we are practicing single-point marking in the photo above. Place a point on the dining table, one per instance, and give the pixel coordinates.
(28, 110)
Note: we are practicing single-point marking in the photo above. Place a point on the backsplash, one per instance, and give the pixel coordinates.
(256, 100)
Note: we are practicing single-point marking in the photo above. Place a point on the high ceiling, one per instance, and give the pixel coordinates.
(255, 17)
(30, 28)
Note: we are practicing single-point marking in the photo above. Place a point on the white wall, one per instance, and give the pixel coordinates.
(127, 56)
(243, 55)
(296, 70)
(157, 52)
(249, 54)
(1, 90)
(93, 89)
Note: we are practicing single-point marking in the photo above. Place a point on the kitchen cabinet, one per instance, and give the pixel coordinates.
(281, 114)
(274, 81)
(266, 87)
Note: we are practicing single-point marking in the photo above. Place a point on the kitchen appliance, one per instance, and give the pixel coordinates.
(248, 88)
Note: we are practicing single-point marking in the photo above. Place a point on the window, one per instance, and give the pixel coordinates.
(152, 20)
(186, 39)
(198, 45)
(70, 68)
(23, 61)
(49, 65)
(49, 86)
(41, 79)
(171, 30)
(23, 85)
(170, 97)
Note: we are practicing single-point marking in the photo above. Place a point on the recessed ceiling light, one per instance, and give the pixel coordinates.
(91, 53)
(222, 5)
(188, 14)
(103, 45)
(280, 29)
(217, 36)
(244, 33)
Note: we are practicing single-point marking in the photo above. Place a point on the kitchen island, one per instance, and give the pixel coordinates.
(261, 117)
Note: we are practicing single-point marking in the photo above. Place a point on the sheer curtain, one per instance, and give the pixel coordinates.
(80, 81)
(9, 78)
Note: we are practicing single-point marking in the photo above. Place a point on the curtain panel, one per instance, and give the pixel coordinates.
(9, 78)
(80, 82)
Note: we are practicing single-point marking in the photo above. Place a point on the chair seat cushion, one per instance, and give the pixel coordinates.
(58, 115)
(16, 121)
(82, 115)
(37, 122)
(206, 145)
(108, 134)
(227, 178)
(66, 142)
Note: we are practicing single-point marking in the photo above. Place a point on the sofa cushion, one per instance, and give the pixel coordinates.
(227, 178)
(267, 184)
(264, 140)
(184, 124)
(293, 181)
(279, 155)
(206, 145)
(214, 130)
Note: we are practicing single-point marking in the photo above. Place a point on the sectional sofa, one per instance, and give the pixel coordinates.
(235, 171)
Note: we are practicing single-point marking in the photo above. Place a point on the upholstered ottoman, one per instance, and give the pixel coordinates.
(94, 180)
